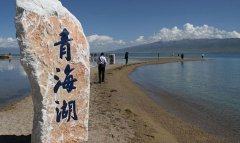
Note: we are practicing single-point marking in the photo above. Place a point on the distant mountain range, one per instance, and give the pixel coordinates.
(188, 46)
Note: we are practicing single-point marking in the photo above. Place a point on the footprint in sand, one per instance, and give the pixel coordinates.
(150, 136)
(128, 111)
(96, 82)
(113, 90)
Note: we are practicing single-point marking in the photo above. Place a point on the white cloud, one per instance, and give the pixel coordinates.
(8, 42)
(140, 39)
(188, 31)
(100, 38)
(100, 43)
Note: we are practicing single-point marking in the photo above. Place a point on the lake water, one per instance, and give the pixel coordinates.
(14, 83)
(206, 93)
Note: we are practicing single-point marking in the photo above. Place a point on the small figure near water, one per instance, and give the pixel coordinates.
(182, 56)
(203, 56)
(102, 61)
(126, 57)
(9, 55)
(6, 56)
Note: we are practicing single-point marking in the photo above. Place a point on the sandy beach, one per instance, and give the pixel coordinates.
(120, 111)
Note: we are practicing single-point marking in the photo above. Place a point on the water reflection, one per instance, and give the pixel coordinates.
(14, 83)
(204, 90)
(182, 64)
(6, 65)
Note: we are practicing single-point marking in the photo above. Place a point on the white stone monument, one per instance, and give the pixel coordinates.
(54, 53)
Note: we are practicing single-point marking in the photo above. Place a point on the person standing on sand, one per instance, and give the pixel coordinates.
(102, 61)
(126, 57)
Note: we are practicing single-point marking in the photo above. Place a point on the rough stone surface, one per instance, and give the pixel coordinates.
(38, 25)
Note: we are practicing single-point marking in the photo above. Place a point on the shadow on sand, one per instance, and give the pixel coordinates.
(15, 139)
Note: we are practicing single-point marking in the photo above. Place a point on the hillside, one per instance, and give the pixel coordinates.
(189, 46)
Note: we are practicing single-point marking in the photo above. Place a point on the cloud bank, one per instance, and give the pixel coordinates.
(8, 42)
(99, 43)
(104, 43)
(188, 31)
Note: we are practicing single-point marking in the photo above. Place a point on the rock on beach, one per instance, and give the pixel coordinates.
(60, 84)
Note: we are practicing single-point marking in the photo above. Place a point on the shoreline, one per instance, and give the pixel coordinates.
(17, 118)
(12, 102)
(148, 121)
(119, 111)
(193, 112)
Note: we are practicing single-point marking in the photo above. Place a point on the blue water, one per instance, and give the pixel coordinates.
(139, 57)
(206, 93)
(14, 83)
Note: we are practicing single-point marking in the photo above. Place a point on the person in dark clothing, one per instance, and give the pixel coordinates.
(182, 56)
(126, 57)
(101, 67)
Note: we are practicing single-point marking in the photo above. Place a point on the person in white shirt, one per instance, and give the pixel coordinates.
(102, 61)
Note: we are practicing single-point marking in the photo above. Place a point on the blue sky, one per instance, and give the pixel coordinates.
(128, 20)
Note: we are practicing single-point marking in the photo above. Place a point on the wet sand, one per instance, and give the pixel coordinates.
(125, 114)
(16, 118)
(120, 111)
